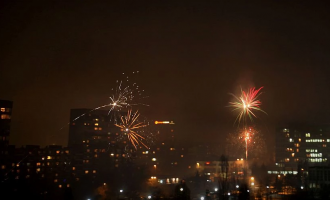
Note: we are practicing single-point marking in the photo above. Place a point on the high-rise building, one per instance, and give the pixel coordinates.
(302, 145)
(5, 119)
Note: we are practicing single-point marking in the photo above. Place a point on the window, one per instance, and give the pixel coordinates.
(3, 109)
(86, 172)
(94, 171)
(55, 180)
(38, 169)
(5, 116)
(38, 164)
(308, 135)
(3, 166)
(96, 124)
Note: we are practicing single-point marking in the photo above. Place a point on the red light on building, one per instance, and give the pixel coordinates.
(207, 163)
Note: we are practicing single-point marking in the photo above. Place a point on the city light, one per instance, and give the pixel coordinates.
(181, 189)
(237, 186)
(216, 189)
(121, 191)
(149, 196)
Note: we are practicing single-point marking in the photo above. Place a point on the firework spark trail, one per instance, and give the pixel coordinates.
(246, 104)
(129, 125)
(122, 98)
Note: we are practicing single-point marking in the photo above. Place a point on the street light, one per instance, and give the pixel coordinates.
(149, 196)
(181, 189)
(216, 189)
(121, 191)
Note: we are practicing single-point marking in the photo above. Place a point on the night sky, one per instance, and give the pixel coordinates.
(60, 55)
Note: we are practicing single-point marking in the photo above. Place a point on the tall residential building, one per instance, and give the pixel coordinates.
(5, 119)
(305, 144)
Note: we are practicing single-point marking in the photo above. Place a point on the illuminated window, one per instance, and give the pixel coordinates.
(100, 128)
(96, 120)
(291, 140)
(57, 163)
(181, 156)
(38, 169)
(49, 157)
(55, 180)
(287, 135)
(296, 145)
(96, 124)
(299, 139)
(96, 128)
(94, 171)
(88, 150)
(3, 109)
(67, 185)
(153, 159)
(172, 149)
(67, 151)
(57, 152)
(60, 186)
(287, 159)
(95, 155)
(292, 155)
(73, 168)
(86, 172)
(324, 145)
(38, 164)
(87, 141)
(297, 150)
(5, 116)
(308, 135)
(87, 161)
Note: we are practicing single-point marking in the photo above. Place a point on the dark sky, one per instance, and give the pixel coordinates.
(60, 55)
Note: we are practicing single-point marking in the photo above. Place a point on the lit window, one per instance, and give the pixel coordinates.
(67, 185)
(88, 150)
(308, 135)
(77, 179)
(86, 172)
(55, 180)
(60, 186)
(299, 139)
(57, 152)
(49, 157)
(94, 171)
(38, 169)
(297, 150)
(67, 151)
(172, 149)
(3, 109)
(181, 156)
(96, 124)
(324, 145)
(3, 166)
(5, 116)
(38, 164)
(100, 128)
(154, 159)
(95, 155)
(292, 154)
(96, 120)
(95, 128)
(57, 163)
(73, 168)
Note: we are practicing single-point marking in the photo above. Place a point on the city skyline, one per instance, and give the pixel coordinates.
(190, 57)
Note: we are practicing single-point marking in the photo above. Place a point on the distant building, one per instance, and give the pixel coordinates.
(302, 145)
(5, 119)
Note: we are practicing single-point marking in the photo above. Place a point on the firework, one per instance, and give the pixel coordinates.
(246, 142)
(246, 104)
(124, 96)
(129, 127)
